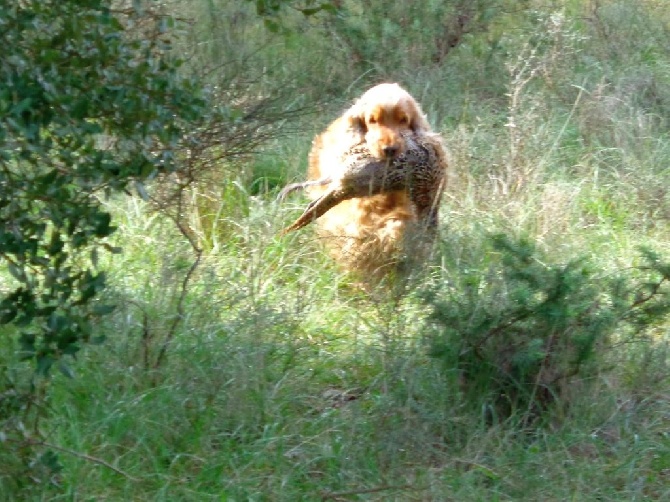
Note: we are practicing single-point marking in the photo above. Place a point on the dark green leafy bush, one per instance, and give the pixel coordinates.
(518, 332)
(90, 103)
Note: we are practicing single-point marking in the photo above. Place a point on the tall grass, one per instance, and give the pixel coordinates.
(283, 380)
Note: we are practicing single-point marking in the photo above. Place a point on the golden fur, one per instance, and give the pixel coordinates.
(366, 234)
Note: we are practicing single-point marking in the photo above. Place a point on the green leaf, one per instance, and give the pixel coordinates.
(17, 271)
(272, 25)
(44, 364)
(101, 310)
(112, 249)
(8, 313)
(141, 190)
(51, 461)
(22, 106)
(98, 340)
(102, 224)
(56, 244)
(311, 11)
(65, 369)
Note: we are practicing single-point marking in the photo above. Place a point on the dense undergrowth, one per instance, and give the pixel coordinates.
(527, 360)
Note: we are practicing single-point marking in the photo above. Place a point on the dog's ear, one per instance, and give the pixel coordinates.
(418, 122)
(420, 125)
(354, 122)
(355, 119)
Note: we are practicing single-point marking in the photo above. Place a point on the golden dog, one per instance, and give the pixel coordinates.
(369, 234)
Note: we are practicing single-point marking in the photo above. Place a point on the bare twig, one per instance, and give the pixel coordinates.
(184, 284)
(362, 491)
(84, 456)
(146, 337)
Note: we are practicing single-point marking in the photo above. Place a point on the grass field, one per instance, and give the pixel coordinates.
(272, 376)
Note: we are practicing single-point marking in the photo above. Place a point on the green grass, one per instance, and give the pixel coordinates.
(284, 381)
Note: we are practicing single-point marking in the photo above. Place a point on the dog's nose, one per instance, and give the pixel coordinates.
(391, 151)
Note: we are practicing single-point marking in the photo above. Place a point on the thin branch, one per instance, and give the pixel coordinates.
(146, 337)
(363, 491)
(77, 454)
(184, 285)
(642, 299)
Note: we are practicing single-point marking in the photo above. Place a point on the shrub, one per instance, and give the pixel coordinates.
(91, 104)
(518, 331)
(87, 108)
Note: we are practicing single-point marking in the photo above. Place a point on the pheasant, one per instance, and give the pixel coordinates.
(421, 170)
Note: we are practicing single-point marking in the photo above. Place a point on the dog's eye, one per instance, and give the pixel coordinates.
(372, 120)
(404, 120)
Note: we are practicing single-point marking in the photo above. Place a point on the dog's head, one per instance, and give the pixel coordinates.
(382, 115)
